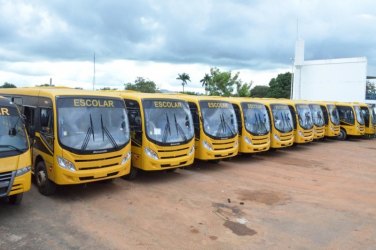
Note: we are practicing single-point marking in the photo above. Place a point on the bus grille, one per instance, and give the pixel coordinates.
(5, 183)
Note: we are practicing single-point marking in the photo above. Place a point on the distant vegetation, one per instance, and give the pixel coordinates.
(8, 85)
(142, 85)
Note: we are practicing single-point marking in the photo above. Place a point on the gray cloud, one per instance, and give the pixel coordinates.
(255, 34)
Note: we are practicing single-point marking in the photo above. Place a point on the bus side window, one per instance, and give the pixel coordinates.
(325, 112)
(195, 117)
(238, 118)
(135, 121)
(46, 120)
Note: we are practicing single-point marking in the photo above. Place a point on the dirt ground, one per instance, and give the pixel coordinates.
(316, 196)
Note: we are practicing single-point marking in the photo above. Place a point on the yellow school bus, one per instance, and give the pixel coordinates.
(162, 131)
(76, 136)
(318, 120)
(15, 158)
(369, 120)
(302, 120)
(351, 120)
(281, 123)
(253, 125)
(215, 127)
(331, 119)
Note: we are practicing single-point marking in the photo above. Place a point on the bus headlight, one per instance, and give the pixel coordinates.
(23, 171)
(207, 145)
(149, 152)
(126, 158)
(192, 151)
(277, 137)
(247, 140)
(64, 163)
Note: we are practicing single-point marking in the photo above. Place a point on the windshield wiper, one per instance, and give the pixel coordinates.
(167, 129)
(90, 130)
(226, 124)
(179, 128)
(12, 147)
(105, 131)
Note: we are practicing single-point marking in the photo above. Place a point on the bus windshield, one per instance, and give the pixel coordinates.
(304, 116)
(317, 115)
(219, 120)
(256, 118)
(359, 115)
(93, 124)
(168, 121)
(13, 139)
(366, 115)
(282, 118)
(373, 109)
(333, 114)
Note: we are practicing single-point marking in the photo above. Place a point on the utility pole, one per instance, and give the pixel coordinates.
(94, 73)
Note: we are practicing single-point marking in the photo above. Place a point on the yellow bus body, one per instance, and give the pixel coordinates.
(249, 142)
(368, 119)
(278, 138)
(301, 135)
(350, 120)
(207, 147)
(15, 166)
(331, 129)
(168, 155)
(60, 164)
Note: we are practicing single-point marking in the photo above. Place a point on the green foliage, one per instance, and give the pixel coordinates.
(8, 85)
(184, 77)
(108, 88)
(370, 88)
(280, 87)
(191, 93)
(45, 85)
(225, 83)
(142, 85)
(260, 91)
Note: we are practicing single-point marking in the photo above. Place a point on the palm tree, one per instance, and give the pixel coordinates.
(184, 77)
(205, 82)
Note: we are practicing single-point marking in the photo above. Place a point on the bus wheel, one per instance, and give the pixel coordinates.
(15, 199)
(342, 135)
(132, 174)
(45, 186)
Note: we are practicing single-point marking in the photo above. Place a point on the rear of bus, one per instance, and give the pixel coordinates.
(303, 122)
(15, 158)
(217, 129)
(351, 120)
(282, 127)
(253, 125)
(318, 121)
(331, 119)
(162, 132)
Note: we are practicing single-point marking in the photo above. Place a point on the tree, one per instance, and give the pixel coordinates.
(243, 89)
(206, 81)
(184, 77)
(280, 87)
(45, 85)
(224, 83)
(8, 85)
(108, 88)
(370, 90)
(260, 91)
(142, 85)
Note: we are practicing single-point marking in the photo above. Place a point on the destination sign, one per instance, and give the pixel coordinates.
(98, 103)
(167, 104)
(254, 106)
(216, 105)
(4, 111)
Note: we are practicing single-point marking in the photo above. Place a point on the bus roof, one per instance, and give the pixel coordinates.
(141, 95)
(52, 92)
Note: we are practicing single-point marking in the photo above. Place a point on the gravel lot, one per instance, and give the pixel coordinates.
(316, 196)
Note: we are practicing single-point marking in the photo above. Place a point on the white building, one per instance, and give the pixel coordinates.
(342, 79)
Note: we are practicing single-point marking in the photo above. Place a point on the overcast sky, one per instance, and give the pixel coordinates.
(157, 39)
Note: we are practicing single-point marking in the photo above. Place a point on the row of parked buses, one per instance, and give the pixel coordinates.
(66, 136)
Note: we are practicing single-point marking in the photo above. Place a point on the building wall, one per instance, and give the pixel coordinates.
(332, 80)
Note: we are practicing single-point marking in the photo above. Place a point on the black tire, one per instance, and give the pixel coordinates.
(215, 161)
(132, 174)
(15, 199)
(342, 135)
(171, 170)
(45, 186)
